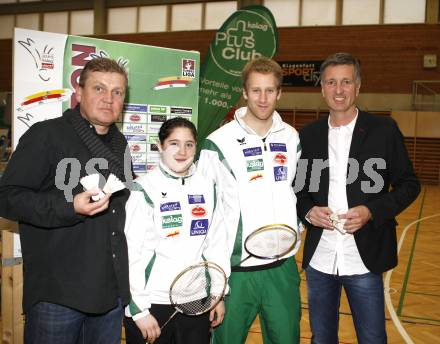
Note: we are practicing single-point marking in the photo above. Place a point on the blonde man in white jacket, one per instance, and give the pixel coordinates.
(169, 215)
(253, 159)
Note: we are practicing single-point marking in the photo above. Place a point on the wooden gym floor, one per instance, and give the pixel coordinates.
(412, 289)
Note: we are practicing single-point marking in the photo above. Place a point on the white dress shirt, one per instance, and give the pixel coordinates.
(337, 253)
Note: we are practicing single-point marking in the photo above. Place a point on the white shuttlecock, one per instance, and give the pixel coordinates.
(91, 182)
(113, 184)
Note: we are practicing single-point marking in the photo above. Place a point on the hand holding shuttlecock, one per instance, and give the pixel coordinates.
(112, 185)
(338, 223)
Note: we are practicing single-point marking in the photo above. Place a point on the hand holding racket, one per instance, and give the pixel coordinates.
(197, 289)
(270, 242)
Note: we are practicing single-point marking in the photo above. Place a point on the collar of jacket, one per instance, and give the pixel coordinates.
(170, 174)
(277, 122)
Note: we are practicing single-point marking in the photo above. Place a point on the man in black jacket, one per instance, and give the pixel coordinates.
(74, 249)
(358, 178)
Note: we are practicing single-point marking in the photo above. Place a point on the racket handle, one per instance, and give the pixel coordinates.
(166, 322)
(169, 319)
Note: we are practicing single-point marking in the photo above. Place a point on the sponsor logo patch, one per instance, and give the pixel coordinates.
(170, 206)
(199, 227)
(280, 159)
(198, 211)
(135, 107)
(135, 148)
(255, 165)
(277, 147)
(242, 141)
(256, 177)
(252, 151)
(158, 118)
(195, 199)
(135, 118)
(189, 68)
(172, 221)
(173, 233)
(280, 173)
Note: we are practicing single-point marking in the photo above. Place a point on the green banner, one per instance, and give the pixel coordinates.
(248, 33)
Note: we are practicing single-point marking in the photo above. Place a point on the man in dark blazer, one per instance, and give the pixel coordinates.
(75, 259)
(354, 178)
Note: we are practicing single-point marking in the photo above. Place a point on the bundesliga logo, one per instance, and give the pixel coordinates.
(189, 68)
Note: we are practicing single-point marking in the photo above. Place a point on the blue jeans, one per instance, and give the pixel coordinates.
(365, 296)
(49, 323)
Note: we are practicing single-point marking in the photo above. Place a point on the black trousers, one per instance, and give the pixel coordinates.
(182, 329)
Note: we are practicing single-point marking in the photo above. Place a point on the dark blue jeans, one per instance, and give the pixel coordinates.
(49, 323)
(365, 296)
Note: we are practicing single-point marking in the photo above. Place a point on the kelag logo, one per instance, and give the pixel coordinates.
(255, 165)
(172, 221)
(235, 42)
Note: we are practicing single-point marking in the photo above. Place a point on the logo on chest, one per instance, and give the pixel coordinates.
(198, 211)
(196, 199)
(280, 159)
(255, 165)
(170, 206)
(172, 221)
(280, 173)
(199, 227)
(277, 147)
(252, 151)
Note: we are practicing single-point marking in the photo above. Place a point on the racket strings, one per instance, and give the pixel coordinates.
(198, 289)
(271, 242)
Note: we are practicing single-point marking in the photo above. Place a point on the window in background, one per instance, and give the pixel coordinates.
(6, 2)
(81, 22)
(122, 20)
(318, 12)
(7, 23)
(360, 12)
(28, 21)
(186, 17)
(56, 22)
(217, 12)
(285, 12)
(152, 19)
(404, 11)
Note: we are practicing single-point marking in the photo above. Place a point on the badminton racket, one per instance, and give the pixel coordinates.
(197, 289)
(270, 242)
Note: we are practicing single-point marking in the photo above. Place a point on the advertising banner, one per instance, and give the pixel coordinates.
(301, 73)
(248, 33)
(163, 83)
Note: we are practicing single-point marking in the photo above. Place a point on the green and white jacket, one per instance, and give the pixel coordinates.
(168, 218)
(255, 176)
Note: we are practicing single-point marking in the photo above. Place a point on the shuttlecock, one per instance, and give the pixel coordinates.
(113, 184)
(338, 223)
(91, 182)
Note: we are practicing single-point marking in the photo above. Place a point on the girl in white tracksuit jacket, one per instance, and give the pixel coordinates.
(170, 212)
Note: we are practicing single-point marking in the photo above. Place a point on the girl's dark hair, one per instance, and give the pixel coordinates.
(177, 122)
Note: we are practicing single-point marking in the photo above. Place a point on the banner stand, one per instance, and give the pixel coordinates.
(12, 319)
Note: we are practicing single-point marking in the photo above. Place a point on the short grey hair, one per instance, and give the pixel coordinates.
(342, 59)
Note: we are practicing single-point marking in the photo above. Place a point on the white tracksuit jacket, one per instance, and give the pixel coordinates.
(255, 178)
(168, 218)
